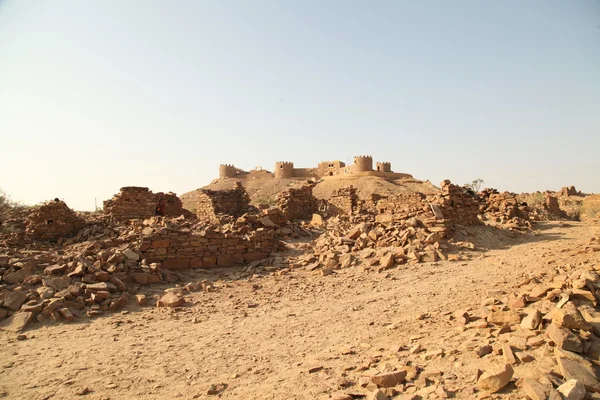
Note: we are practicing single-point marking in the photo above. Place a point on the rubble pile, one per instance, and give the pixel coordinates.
(503, 210)
(376, 245)
(212, 204)
(84, 280)
(131, 203)
(551, 324)
(297, 203)
(53, 220)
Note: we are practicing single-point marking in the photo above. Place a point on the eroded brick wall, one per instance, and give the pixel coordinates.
(52, 221)
(297, 203)
(207, 248)
(211, 203)
(131, 203)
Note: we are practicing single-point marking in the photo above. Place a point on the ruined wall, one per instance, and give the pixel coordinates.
(297, 203)
(404, 206)
(173, 207)
(569, 191)
(457, 206)
(52, 221)
(176, 249)
(211, 203)
(131, 203)
(343, 201)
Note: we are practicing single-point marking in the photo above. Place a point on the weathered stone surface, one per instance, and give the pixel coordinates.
(571, 369)
(55, 269)
(130, 254)
(387, 261)
(14, 300)
(535, 390)
(495, 379)
(504, 318)
(572, 390)
(389, 379)
(570, 317)
(531, 320)
(563, 338)
(171, 300)
(16, 322)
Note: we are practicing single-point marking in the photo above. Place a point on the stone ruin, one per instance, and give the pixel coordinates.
(503, 208)
(297, 203)
(131, 203)
(53, 221)
(212, 204)
(206, 248)
(140, 203)
(569, 191)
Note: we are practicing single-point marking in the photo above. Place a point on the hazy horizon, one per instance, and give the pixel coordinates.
(99, 95)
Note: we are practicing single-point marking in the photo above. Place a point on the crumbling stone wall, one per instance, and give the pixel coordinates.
(175, 248)
(343, 201)
(457, 205)
(404, 206)
(297, 203)
(131, 203)
(53, 221)
(171, 204)
(569, 191)
(211, 203)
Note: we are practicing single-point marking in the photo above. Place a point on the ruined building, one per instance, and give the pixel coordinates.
(140, 203)
(52, 221)
(212, 203)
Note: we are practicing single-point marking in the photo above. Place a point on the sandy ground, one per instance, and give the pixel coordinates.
(261, 335)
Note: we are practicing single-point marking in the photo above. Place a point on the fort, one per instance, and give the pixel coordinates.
(362, 166)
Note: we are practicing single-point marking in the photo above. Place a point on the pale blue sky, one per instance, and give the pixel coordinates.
(95, 95)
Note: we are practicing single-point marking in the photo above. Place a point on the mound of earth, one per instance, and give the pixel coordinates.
(264, 191)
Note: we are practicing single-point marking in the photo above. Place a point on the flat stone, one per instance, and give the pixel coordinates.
(535, 390)
(377, 395)
(564, 338)
(16, 322)
(171, 300)
(539, 291)
(389, 379)
(17, 276)
(55, 269)
(571, 369)
(495, 379)
(45, 292)
(572, 390)
(504, 318)
(131, 255)
(14, 300)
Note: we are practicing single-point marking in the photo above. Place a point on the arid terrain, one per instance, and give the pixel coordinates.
(435, 295)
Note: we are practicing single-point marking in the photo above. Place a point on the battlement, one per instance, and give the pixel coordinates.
(284, 169)
(384, 166)
(228, 171)
(363, 163)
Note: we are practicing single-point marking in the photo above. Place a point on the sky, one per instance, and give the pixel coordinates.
(96, 95)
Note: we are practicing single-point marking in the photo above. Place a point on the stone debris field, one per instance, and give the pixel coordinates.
(343, 282)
